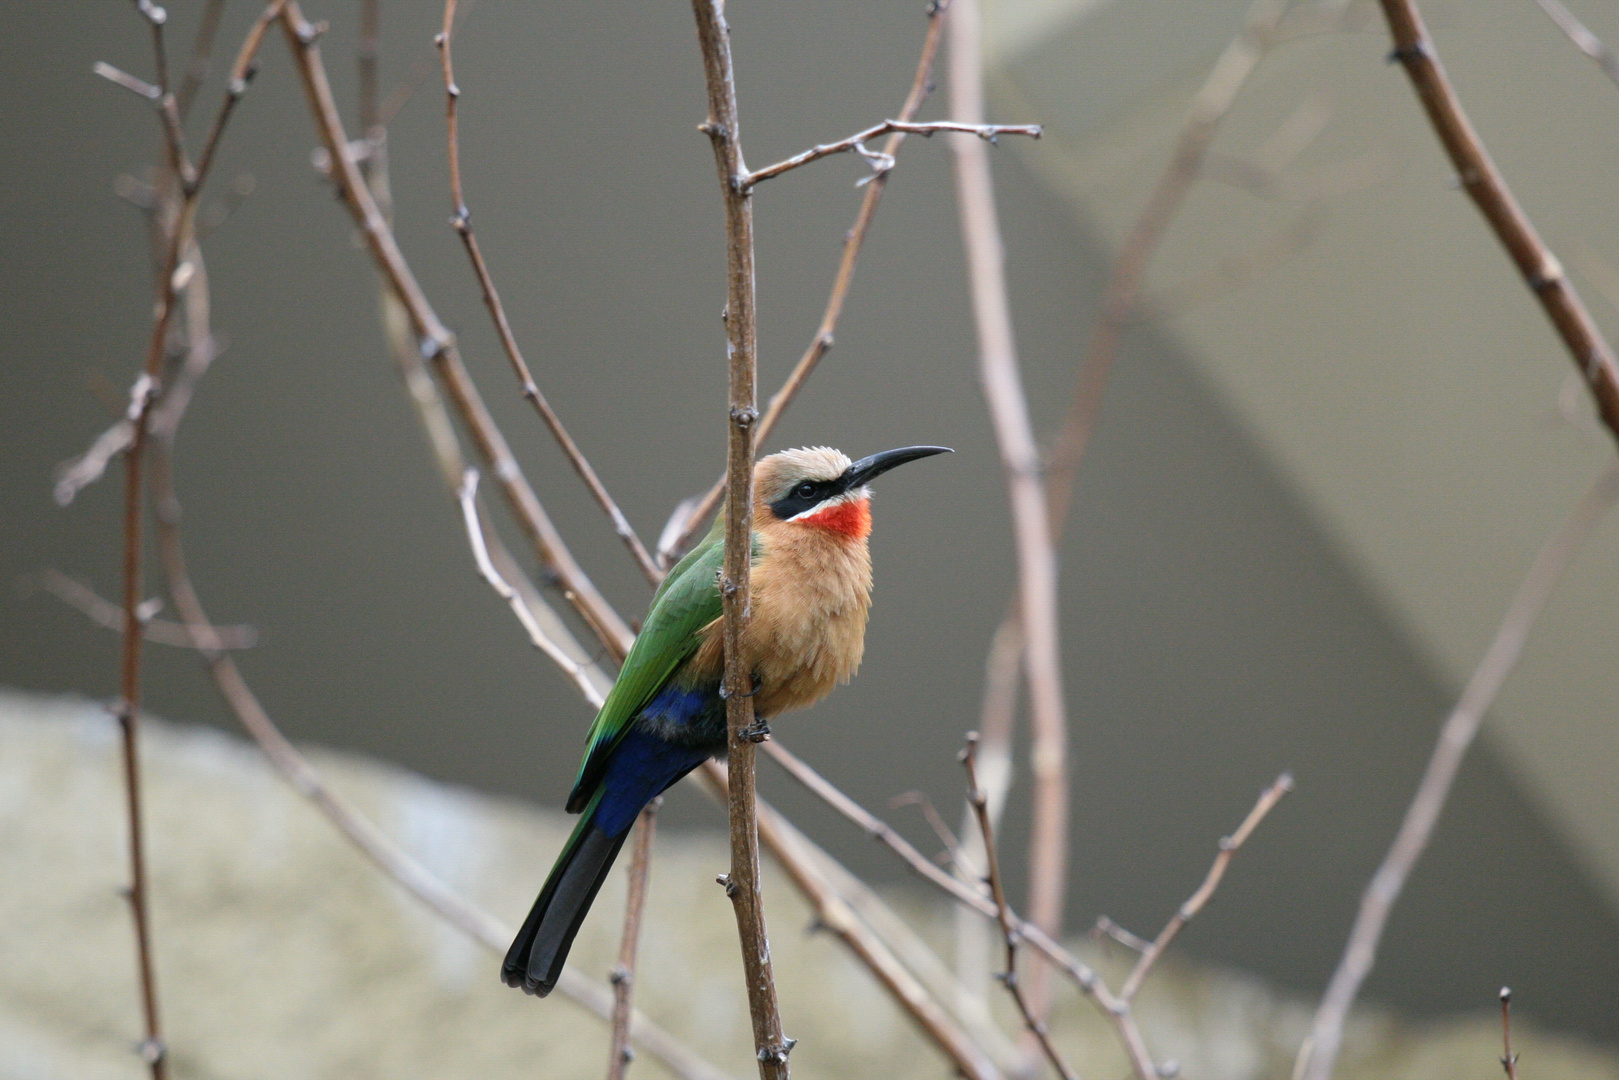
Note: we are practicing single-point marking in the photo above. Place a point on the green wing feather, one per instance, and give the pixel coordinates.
(687, 601)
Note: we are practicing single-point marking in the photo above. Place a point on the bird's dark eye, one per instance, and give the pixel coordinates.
(805, 490)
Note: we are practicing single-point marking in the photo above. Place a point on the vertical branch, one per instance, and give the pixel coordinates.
(1509, 1060)
(741, 332)
(1003, 912)
(1037, 560)
(365, 64)
(1320, 1052)
(623, 974)
(921, 86)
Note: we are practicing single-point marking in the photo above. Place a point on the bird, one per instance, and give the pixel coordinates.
(810, 585)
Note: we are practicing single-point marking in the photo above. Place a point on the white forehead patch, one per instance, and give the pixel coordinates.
(812, 463)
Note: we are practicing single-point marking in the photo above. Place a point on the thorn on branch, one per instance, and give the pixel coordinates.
(727, 884)
(1405, 54)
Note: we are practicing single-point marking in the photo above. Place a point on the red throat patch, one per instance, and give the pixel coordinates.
(851, 519)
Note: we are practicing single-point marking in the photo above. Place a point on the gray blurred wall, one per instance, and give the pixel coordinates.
(1214, 633)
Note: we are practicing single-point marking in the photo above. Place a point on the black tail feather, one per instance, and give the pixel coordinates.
(536, 956)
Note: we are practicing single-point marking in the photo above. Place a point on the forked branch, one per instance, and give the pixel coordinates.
(882, 162)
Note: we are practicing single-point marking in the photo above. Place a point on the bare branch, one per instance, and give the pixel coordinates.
(880, 161)
(1031, 1019)
(202, 47)
(1020, 457)
(579, 673)
(103, 612)
(742, 344)
(1592, 355)
(801, 858)
(1589, 44)
(461, 221)
(1509, 1060)
(1455, 737)
(306, 780)
(1188, 911)
(979, 899)
(438, 344)
(623, 974)
(671, 546)
(119, 77)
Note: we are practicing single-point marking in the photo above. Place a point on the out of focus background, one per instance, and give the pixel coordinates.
(1333, 442)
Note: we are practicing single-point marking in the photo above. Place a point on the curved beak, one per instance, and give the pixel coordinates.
(869, 468)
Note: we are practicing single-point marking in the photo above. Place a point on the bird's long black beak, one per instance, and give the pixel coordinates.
(869, 468)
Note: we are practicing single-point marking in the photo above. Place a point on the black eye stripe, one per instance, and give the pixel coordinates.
(804, 495)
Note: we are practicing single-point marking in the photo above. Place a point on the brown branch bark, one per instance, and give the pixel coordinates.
(1020, 456)
(461, 221)
(1484, 184)
(798, 856)
(854, 239)
(742, 342)
(439, 344)
(180, 221)
(623, 974)
(1320, 1052)
(1509, 1060)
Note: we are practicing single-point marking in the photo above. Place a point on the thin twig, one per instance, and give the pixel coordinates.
(883, 162)
(468, 497)
(1009, 932)
(1434, 789)
(623, 974)
(1108, 930)
(367, 48)
(1020, 457)
(202, 48)
(461, 221)
(103, 612)
(439, 345)
(1194, 904)
(1589, 44)
(921, 85)
(1541, 271)
(1509, 1060)
(742, 342)
(978, 898)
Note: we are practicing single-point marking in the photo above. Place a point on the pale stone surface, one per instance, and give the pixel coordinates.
(282, 952)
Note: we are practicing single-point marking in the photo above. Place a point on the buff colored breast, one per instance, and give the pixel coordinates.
(811, 596)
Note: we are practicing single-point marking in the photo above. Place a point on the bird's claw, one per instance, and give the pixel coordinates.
(725, 693)
(756, 732)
